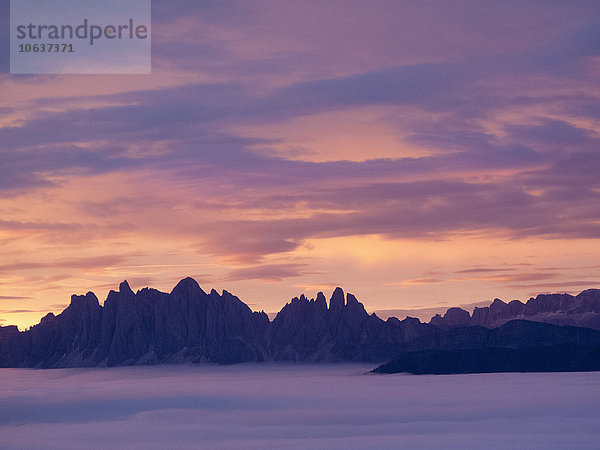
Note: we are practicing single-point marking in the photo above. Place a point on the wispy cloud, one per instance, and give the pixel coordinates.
(70, 263)
(267, 272)
(417, 281)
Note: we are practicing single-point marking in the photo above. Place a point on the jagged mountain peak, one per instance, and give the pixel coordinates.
(48, 317)
(351, 300)
(337, 300)
(187, 286)
(88, 299)
(559, 309)
(124, 288)
(188, 325)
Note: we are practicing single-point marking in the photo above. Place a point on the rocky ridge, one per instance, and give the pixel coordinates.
(582, 310)
(190, 325)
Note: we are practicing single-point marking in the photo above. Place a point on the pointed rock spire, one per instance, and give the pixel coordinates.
(124, 288)
(351, 300)
(91, 299)
(320, 302)
(337, 301)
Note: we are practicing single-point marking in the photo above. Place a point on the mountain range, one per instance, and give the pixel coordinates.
(582, 310)
(190, 325)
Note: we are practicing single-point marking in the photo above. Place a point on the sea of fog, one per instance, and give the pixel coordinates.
(294, 406)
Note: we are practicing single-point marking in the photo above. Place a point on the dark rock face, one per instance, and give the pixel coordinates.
(513, 334)
(517, 346)
(147, 327)
(152, 327)
(190, 325)
(306, 330)
(8, 331)
(582, 310)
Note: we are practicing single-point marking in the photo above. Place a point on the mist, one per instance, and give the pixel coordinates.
(294, 406)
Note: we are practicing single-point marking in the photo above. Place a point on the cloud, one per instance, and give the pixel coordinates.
(582, 284)
(17, 225)
(93, 262)
(485, 269)
(424, 84)
(317, 287)
(405, 210)
(418, 281)
(554, 132)
(271, 405)
(512, 277)
(267, 272)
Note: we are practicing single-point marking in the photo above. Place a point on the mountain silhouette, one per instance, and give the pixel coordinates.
(190, 325)
(582, 310)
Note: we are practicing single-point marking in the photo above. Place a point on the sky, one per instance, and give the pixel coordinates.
(267, 406)
(418, 154)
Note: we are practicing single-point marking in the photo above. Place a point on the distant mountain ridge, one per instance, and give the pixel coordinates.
(582, 310)
(190, 325)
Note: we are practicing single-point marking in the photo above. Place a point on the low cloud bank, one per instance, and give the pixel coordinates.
(299, 406)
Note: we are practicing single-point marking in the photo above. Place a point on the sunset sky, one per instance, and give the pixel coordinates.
(418, 154)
